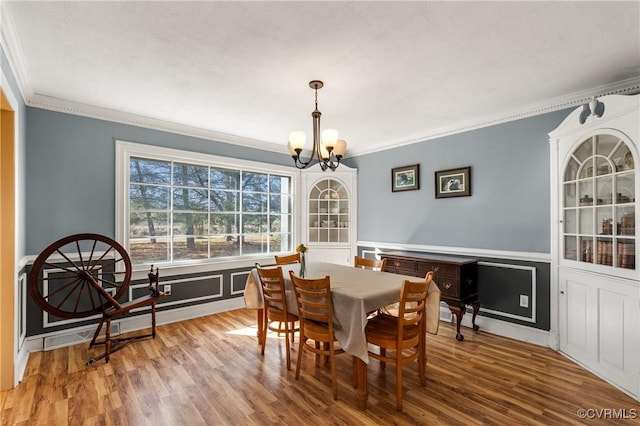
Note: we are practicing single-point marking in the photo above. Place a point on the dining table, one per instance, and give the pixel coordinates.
(355, 293)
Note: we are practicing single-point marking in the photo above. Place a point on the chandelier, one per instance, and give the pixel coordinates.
(329, 151)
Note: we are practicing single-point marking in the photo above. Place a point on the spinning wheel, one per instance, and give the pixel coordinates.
(84, 275)
(80, 275)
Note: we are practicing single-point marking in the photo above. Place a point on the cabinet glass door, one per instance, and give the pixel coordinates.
(599, 204)
(328, 212)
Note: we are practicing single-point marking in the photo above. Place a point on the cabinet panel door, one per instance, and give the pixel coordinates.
(596, 318)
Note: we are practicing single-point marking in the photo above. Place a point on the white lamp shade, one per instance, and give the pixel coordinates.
(297, 140)
(340, 148)
(330, 138)
(291, 150)
(324, 153)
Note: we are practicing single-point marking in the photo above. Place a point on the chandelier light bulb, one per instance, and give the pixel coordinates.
(297, 139)
(324, 152)
(330, 138)
(340, 148)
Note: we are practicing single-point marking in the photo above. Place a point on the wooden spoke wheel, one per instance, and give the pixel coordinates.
(80, 275)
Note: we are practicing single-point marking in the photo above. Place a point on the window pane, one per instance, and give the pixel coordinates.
(149, 171)
(225, 179)
(252, 202)
(280, 223)
(224, 201)
(190, 248)
(224, 224)
(281, 184)
(145, 224)
(190, 224)
(148, 250)
(254, 243)
(254, 182)
(225, 245)
(190, 175)
(254, 223)
(145, 197)
(280, 204)
(190, 199)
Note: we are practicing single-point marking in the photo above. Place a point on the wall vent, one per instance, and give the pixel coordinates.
(446, 315)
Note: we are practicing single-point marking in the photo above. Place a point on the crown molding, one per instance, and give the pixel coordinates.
(13, 51)
(629, 86)
(91, 111)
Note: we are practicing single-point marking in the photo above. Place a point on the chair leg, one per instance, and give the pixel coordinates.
(399, 381)
(265, 330)
(422, 363)
(383, 352)
(286, 339)
(301, 343)
(334, 379)
(292, 328)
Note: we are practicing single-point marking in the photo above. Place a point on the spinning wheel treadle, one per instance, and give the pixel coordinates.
(84, 275)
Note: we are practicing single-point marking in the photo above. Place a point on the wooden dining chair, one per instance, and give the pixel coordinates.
(275, 308)
(404, 335)
(286, 259)
(363, 262)
(315, 311)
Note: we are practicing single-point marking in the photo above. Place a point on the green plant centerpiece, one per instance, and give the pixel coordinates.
(302, 249)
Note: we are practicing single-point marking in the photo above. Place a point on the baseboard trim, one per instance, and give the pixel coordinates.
(502, 328)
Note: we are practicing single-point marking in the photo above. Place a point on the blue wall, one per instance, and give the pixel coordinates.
(509, 207)
(71, 179)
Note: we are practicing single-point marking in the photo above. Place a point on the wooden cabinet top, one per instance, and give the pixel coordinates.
(454, 260)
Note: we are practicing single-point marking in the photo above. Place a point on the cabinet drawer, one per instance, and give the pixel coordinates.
(448, 285)
(437, 268)
(402, 266)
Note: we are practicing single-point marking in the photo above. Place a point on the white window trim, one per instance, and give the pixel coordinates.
(126, 150)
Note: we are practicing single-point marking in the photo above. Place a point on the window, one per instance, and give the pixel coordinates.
(179, 206)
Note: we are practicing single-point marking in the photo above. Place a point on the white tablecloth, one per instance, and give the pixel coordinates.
(354, 293)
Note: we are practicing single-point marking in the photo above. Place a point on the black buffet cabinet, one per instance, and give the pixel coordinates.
(457, 279)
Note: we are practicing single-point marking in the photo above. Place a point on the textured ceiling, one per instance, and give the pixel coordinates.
(394, 72)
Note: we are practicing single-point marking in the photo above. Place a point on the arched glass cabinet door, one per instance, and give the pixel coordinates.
(329, 212)
(599, 203)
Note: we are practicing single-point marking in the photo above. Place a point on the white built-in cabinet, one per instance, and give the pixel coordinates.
(595, 277)
(329, 214)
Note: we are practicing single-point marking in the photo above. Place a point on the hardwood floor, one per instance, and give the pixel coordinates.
(209, 371)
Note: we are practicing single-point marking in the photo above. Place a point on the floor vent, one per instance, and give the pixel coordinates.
(75, 337)
(446, 315)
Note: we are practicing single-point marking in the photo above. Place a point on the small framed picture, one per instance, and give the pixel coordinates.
(405, 178)
(453, 183)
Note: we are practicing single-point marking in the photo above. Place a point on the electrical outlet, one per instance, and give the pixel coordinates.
(524, 301)
(166, 289)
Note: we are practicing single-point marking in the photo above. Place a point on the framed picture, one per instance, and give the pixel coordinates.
(405, 178)
(453, 183)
